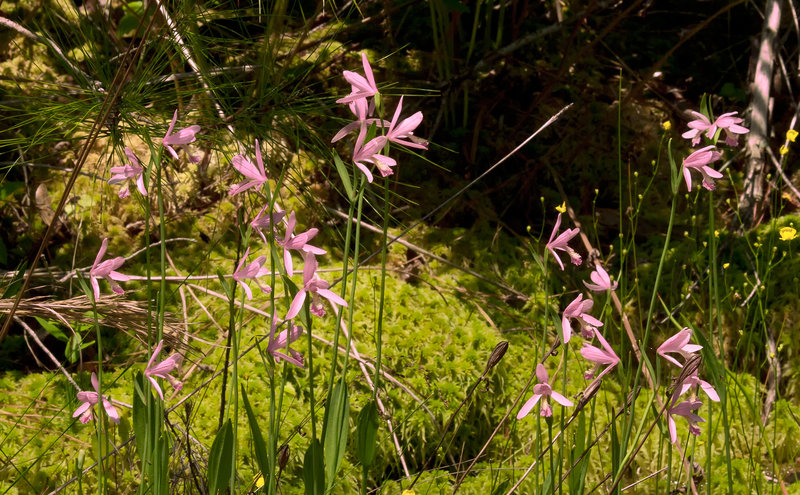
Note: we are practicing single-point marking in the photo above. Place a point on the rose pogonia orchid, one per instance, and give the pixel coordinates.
(685, 409)
(579, 309)
(602, 282)
(361, 109)
(163, 369)
(604, 356)
(369, 153)
(560, 243)
(361, 87)
(403, 133)
(278, 345)
(730, 124)
(314, 285)
(727, 121)
(264, 221)
(132, 170)
(694, 381)
(542, 390)
(678, 343)
(252, 271)
(698, 126)
(90, 399)
(180, 138)
(256, 175)
(107, 270)
(699, 161)
(297, 242)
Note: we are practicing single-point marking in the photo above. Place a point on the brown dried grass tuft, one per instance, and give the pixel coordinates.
(113, 311)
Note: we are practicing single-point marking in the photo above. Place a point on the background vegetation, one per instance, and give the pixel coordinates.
(485, 75)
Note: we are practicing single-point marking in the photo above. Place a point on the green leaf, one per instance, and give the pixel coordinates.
(675, 173)
(220, 460)
(52, 329)
(313, 471)
(345, 176)
(16, 282)
(616, 454)
(140, 413)
(366, 433)
(224, 283)
(335, 429)
(9, 188)
(259, 445)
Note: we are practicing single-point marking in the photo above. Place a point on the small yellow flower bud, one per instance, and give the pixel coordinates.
(716, 233)
(666, 125)
(725, 266)
(784, 150)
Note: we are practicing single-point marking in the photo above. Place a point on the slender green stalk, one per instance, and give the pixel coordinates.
(356, 250)
(721, 382)
(379, 333)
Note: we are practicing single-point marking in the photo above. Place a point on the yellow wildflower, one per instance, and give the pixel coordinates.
(787, 233)
(725, 266)
(408, 492)
(666, 125)
(562, 208)
(784, 150)
(791, 135)
(259, 480)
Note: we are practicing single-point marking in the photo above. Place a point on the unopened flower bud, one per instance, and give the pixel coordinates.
(497, 354)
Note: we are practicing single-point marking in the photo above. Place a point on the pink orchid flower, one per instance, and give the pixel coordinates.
(297, 242)
(252, 271)
(132, 170)
(257, 176)
(695, 381)
(316, 286)
(602, 282)
(697, 127)
(361, 109)
(579, 310)
(106, 270)
(163, 369)
(180, 138)
(263, 221)
(361, 87)
(604, 356)
(678, 343)
(699, 161)
(403, 133)
(730, 124)
(685, 409)
(369, 153)
(540, 390)
(560, 243)
(90, 399)
(278, 345)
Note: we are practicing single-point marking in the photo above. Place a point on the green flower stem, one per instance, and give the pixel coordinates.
(379, 335)
(721, 381)
(351, 300)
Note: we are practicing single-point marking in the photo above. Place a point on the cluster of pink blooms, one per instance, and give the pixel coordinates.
(701, 159)
(680, 344)
(107, 270)
(577, 311)
(361, 102)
